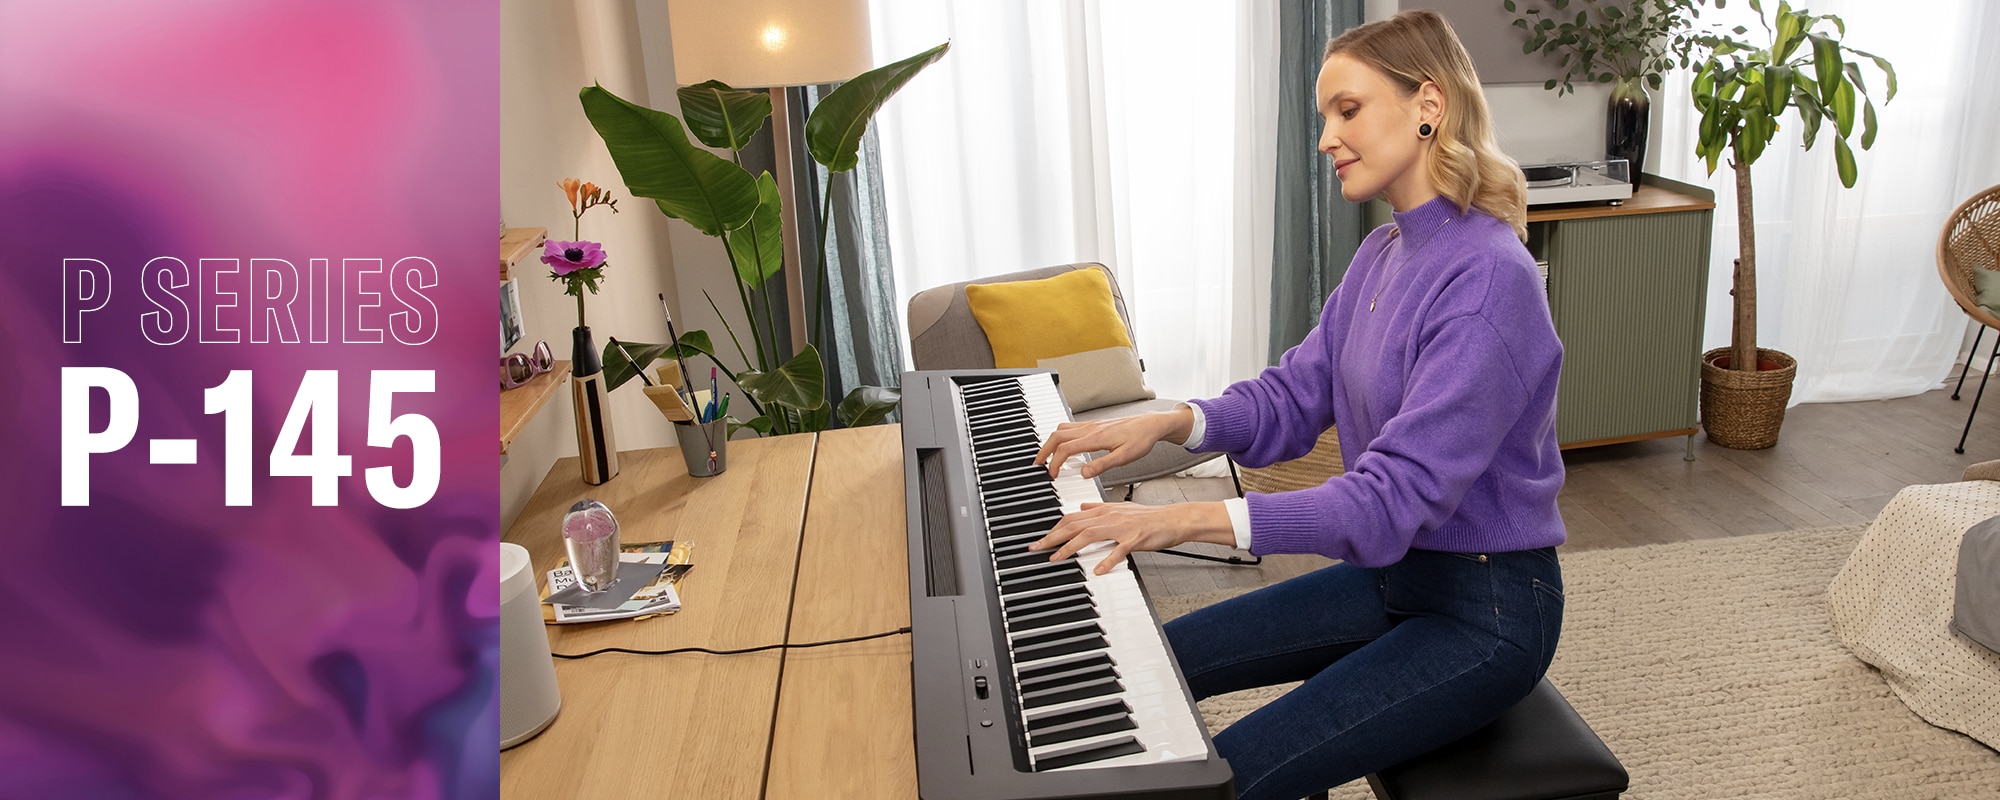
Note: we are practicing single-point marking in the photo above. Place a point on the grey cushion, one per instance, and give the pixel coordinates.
(1976, 609)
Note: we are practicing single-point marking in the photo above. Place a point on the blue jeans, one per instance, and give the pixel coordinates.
(1396, 662)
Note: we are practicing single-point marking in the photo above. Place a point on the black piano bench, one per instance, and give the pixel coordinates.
(1538, 750)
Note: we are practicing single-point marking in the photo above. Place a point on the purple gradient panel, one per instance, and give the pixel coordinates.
(158, 643)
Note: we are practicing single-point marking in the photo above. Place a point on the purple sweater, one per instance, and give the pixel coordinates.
(1444, 397)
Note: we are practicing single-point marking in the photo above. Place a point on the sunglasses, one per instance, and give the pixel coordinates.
(519, 368)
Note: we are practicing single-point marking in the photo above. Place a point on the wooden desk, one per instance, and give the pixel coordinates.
(844, 726)
(695, 725)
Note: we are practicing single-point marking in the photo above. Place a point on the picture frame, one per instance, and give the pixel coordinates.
(512, 328)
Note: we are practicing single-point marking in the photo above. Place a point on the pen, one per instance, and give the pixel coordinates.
(633, 361)
(713, 403)
(724, 411)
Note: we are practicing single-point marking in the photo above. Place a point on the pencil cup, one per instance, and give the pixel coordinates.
(698, 441)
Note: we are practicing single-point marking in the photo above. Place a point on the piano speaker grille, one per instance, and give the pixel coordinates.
(940, 547)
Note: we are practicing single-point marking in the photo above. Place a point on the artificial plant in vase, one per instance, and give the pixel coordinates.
(579, 265)
(1740, 90)
(721, 199)
(1627, 43)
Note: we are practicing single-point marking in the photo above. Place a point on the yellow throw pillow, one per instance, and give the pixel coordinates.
(1041, 323)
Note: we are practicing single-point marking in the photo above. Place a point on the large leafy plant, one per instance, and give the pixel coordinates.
(1741, 90)
(1606, 41)
(721, 199)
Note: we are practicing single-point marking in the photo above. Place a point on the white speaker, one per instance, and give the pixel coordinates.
(529, 698)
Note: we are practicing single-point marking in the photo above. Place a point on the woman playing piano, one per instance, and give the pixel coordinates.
(1436, 360)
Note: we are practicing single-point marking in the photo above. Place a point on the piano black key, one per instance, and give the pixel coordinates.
(1004, 520)
(1052, 599)
(1062, 665)
(1101, 687)
(1060, 647)
(1096, 719)
(1011, 493)
(1031, 583)
(1025, 475)
(1084, 754)
(1011, 574)
(1014, 505)
(1058, 616)
(1022, 557)
(1069, 677)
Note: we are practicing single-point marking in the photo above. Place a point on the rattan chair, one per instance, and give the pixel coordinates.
(1971, 240)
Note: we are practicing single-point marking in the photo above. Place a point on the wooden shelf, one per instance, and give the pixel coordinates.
(518, 243)
(519, 404)
(1648, 199)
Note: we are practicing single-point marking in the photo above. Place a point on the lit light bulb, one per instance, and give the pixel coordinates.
(774, 37)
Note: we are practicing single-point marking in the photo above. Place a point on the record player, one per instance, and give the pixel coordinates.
(1579, 182)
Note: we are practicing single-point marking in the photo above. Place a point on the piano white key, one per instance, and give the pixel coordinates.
(1167, 726)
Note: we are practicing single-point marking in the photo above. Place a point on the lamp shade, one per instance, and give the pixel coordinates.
(764, 43)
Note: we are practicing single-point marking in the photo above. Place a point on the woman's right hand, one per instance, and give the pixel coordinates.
(1125, 439)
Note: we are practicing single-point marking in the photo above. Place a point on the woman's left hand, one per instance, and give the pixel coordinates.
(1136, 527)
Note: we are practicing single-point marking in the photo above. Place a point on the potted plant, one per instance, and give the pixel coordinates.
(721, 199)
(1740, 91)
(1622, 42)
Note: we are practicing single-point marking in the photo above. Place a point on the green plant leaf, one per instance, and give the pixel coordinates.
(1777, 89)
(1826, 65)
(1843, 106)
(762, 425)
(1867, 124)
(1758, 127)
(1887, 70)
(757, 248)
(1790, 26)
(867, 405)
(799, 383)
(618, 369)
(816, 419)
(657, 161)
(1810, 113)
(724, 117)
(1843, 158)
(833, 133)
(1508, 4)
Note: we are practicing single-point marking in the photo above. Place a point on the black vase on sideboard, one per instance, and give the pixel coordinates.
(1626, 117)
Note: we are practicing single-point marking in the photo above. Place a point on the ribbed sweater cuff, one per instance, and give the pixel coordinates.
(1288, 522)
(1228, 424)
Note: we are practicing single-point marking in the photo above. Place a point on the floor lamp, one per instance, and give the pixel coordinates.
(774, 44)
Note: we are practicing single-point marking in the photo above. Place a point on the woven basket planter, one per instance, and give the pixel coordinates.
(1743, 410)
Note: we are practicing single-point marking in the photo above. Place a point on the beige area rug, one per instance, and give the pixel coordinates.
(1712, 671)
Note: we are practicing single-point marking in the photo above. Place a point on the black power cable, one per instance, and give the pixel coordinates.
(602, 651)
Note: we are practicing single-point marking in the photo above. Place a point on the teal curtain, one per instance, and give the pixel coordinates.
(860, 339)
(1316, 231)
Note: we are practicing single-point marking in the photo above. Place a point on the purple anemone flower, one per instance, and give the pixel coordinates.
(566, 257)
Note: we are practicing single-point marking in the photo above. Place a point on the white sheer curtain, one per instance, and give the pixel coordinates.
(1847, 278)
(1138, 133)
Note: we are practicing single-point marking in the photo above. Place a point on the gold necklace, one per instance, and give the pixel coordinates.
(1411, 257)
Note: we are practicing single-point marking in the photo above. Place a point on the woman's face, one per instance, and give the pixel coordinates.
(1371, 133)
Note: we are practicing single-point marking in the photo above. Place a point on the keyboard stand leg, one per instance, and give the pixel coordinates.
(1129, 489)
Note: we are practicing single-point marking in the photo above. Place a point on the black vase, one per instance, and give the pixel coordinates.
(596, 447)
(1625, 121)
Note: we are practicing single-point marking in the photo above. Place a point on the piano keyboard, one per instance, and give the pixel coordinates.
(1030, 679)
(1089, 664)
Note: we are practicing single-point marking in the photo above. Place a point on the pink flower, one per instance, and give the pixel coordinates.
(564, 258)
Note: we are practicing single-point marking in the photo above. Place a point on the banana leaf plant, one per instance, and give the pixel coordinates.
(721, 199)
(1740, 91)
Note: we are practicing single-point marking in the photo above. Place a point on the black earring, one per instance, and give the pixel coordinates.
(1424, 131)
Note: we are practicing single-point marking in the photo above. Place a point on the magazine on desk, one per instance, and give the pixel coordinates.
(657, 597)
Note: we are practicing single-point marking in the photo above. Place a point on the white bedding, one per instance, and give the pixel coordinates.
(1892, 606)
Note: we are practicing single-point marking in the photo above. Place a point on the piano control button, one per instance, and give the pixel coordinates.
(986, 723)
(979, 687)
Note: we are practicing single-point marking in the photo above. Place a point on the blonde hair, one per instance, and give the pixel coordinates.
(1465, 161)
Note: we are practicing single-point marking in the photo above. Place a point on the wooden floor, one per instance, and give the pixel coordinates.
(1835, 464)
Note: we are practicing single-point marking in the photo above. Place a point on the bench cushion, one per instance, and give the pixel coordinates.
(1538, 750)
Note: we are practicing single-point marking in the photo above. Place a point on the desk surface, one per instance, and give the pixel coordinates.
(801, 539)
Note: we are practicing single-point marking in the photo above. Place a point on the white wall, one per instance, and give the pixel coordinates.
(551, 49)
